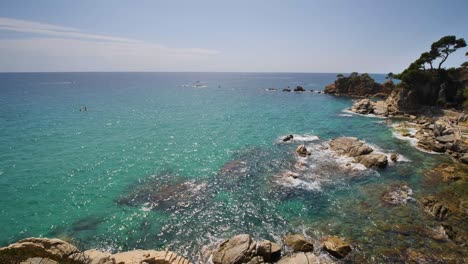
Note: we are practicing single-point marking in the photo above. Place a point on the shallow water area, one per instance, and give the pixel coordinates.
(155, 163)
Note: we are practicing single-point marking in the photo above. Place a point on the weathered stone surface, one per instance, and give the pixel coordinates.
(446, 139)
(464, 158)
(336, 246)
(302, 151)
(38, 261)
(364, 107)
(300, 258)
(271, 252)
(350, 146)
(435, 207)
(54, 249)
(92, 256)
(148, 256)
(373, 160)
(298, 243)
(236, 250)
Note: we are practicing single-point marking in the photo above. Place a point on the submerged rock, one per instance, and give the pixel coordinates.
(435, 207)
(350, 146)
(155, 194)
(236, 250)
(298, 243)
(336, 246)
(397, 195)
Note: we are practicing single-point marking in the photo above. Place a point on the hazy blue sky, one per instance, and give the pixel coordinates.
(264, 36)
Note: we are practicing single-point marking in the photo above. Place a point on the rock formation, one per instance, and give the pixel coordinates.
(361, 152)
(51, 251)
(298, 243)
(357, 85)
(336, 246)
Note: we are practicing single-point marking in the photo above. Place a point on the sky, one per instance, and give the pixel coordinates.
(375, 36)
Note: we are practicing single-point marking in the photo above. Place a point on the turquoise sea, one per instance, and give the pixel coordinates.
(182, 160)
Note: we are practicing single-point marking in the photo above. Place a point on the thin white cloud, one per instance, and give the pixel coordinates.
(65, 48)
(25, 26)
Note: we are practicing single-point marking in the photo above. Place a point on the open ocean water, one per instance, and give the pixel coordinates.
(182, 160)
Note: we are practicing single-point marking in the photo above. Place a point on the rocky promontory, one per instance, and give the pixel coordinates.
(359, 85)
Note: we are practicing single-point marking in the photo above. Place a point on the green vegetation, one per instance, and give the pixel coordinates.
(433, 84)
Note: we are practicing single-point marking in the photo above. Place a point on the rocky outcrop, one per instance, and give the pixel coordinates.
(350, 146)
(361, 152)
(373, 160)
(287, 138)
(298, 243)
(299, 89)
(336, 246)
(51, 251)
(302, 151)
(435, 207)
(236, 250)
(54, 249)
(270, 251)
(357, 85)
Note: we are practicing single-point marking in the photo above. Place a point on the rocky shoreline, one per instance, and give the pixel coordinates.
(295, 248)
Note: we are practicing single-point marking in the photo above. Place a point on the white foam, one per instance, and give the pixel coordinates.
(411, 139)
(298, 138)
(291, 182)
(348, 111)
(346, 115)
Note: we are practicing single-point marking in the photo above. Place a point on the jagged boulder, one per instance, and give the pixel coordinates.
(298, 243)
(270, 251)
(236, 250)
(336, 246)
(364, 107)
(302, 151)
(435, 207)
(373, 160)
(350, 146)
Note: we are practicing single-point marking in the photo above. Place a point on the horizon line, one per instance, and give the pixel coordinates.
(181, 72)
